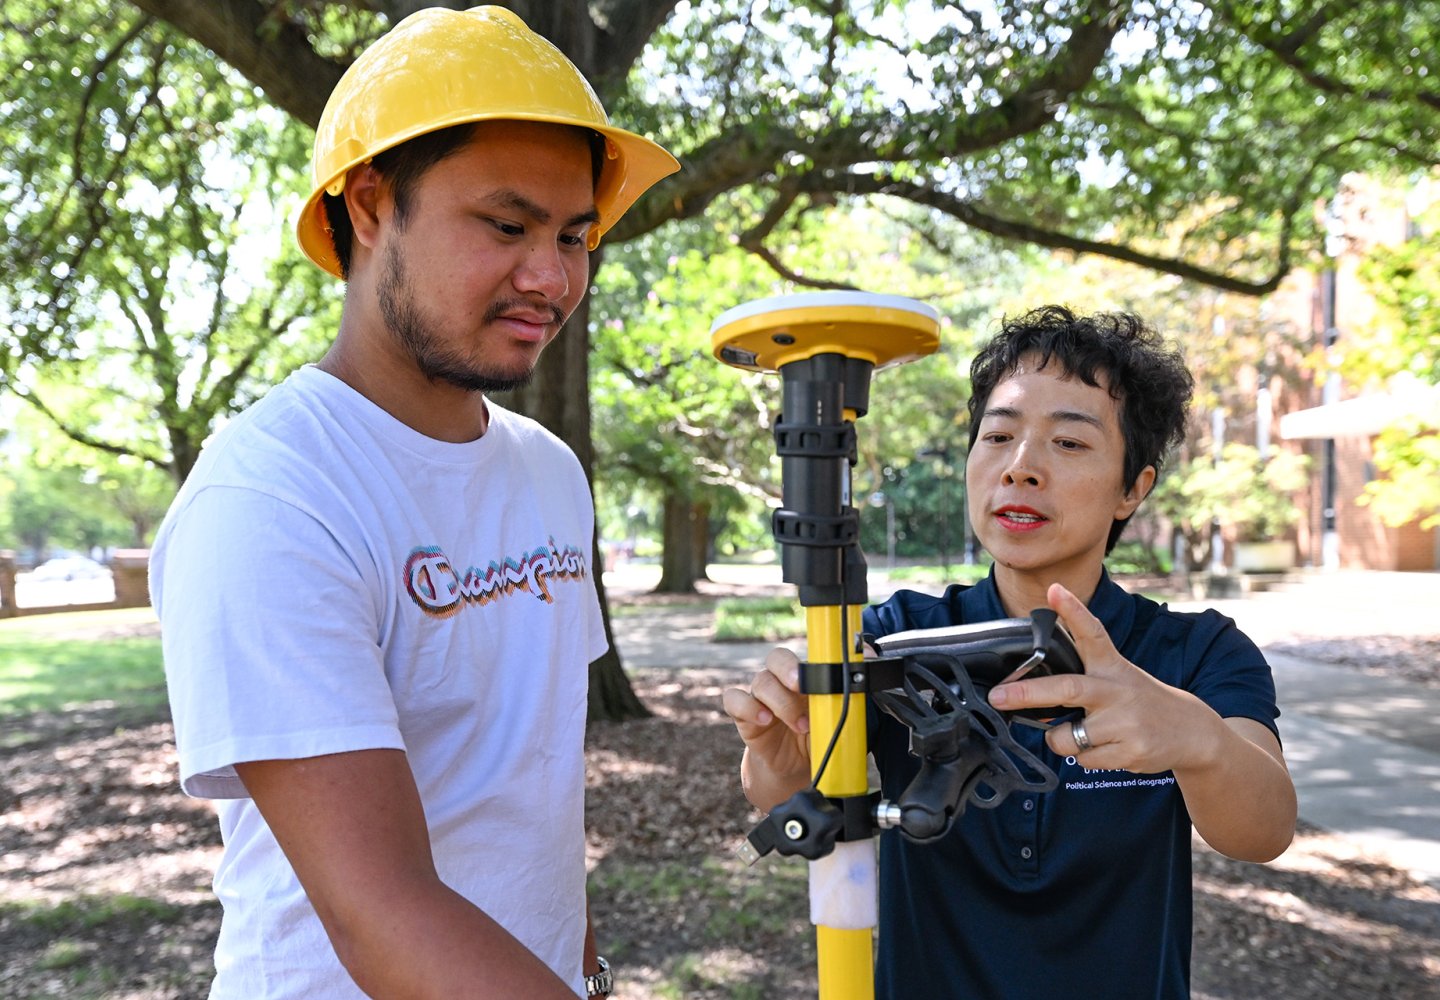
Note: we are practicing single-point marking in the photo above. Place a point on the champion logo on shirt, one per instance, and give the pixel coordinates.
(440, 590)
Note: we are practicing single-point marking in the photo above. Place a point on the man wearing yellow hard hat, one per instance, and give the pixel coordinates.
(375, 588)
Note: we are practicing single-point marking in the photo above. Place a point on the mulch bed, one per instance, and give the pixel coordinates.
(90, 815)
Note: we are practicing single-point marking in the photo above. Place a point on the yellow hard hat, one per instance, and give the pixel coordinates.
(440, 67)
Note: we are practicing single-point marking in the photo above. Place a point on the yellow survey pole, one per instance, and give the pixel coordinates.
(825, 347)
(843, 955)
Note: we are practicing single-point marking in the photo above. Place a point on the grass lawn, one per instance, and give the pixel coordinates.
(753, 618)
(920, 574)
(51, 663)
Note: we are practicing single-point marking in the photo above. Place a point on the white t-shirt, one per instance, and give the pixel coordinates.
(331, 580)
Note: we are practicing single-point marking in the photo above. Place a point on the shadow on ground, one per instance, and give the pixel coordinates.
(105, 869)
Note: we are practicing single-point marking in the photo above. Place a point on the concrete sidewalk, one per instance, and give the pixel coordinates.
(1355, 769)
(1364, 748)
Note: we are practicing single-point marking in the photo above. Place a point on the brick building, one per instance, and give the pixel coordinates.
(1337, 424)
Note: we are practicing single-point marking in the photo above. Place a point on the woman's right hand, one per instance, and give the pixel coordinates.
(772, 717)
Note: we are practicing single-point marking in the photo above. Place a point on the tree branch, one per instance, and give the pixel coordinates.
(84, 116)
(1321, 16)
(972, 215)
(714, 473)
(88, 190)
(273, 54)
(629, 26)
(1287, 49)
(743, 154)
(1030, 106)
(778, 266)
(753, 240)
(76, 434)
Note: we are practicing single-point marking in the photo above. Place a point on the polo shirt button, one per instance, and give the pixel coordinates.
(1028, 805)
(1026, 853)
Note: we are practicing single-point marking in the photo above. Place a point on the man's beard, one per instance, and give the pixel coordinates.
(402, 315)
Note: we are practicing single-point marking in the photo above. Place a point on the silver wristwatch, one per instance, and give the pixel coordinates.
(602, 984)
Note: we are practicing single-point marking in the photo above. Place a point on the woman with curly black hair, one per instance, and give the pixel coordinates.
(1085, 891)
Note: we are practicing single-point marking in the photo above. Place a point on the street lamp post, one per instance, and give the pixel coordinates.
(943, 453)
(882, 499)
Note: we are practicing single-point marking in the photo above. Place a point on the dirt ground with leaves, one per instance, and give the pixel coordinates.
(105, 868)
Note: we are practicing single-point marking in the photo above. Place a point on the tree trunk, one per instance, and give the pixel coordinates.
(611, 699)
(1145, 532)
(685, 542)
(558, 397)
(185, 452)
(1197, 549)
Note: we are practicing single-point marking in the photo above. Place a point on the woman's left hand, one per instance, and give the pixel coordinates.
(1132, 721)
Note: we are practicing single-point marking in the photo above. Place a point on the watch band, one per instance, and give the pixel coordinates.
(602, 983)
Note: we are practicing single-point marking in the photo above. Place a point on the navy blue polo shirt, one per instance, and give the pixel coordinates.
(1083, 892)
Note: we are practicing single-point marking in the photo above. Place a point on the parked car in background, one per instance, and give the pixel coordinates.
(65, 580)
(67, 569)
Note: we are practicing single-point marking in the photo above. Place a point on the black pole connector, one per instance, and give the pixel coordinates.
(809, 824)
(817, 527)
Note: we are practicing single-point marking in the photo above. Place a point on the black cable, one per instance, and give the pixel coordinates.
(844, 676)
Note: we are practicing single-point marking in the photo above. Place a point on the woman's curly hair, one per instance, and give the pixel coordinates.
(1145, 375)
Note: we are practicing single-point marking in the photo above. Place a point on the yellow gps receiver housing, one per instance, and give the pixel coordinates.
(770, 333)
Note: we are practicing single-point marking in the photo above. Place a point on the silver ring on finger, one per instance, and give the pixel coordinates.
(1080, 736)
